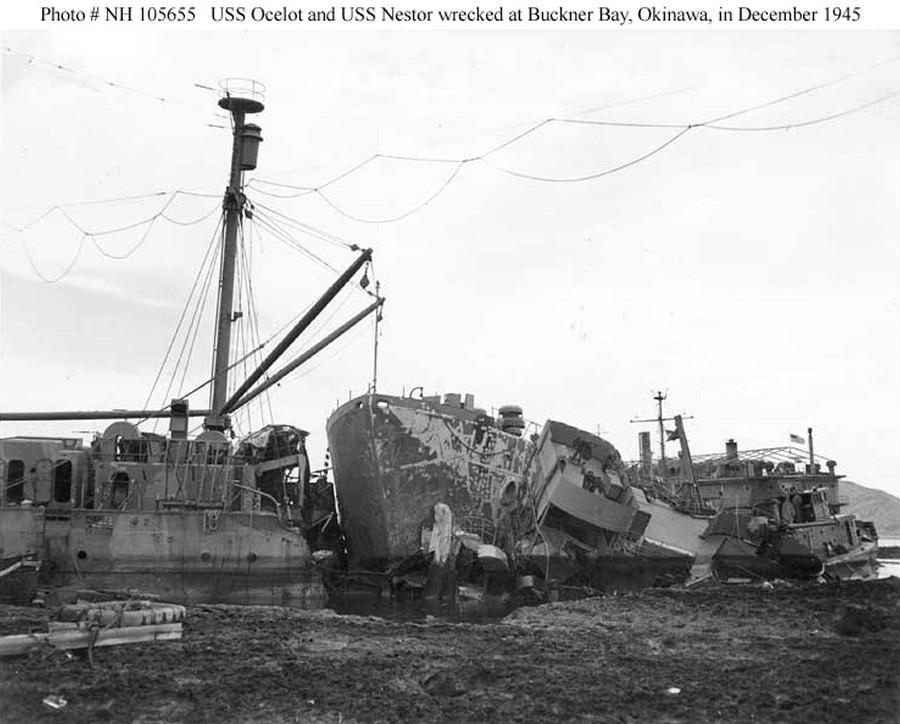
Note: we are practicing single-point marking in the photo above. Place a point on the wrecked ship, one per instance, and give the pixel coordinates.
(780, 516)
(553, 506)
(395, 457)
(589, 524)
(190, 518)
(764, 513)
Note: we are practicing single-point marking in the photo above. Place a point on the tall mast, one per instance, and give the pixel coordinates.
(375, 350)
(660, 419)
(659, 397)
(241, 97)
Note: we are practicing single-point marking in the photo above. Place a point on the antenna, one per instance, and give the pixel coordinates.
(660, 397)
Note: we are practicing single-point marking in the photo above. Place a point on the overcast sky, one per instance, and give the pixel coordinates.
(751, 274)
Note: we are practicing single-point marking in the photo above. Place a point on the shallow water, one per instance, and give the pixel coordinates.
(422, 611)
(888, 567)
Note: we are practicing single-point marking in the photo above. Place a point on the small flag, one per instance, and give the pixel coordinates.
(672, 435)
(797, 439)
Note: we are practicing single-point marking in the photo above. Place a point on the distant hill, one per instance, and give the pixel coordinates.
(876, 505)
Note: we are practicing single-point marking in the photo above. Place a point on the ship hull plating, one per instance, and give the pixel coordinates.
(394, 458)
(185, 557)
(186, 520)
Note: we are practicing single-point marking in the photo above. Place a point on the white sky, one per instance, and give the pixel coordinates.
(751, 274)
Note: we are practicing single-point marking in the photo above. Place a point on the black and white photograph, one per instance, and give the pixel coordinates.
(524, 362)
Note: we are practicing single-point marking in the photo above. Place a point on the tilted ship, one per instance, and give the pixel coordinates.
(187, 518)
(556, 503)
(395, 457)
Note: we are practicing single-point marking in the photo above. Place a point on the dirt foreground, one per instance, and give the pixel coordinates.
(791, 653)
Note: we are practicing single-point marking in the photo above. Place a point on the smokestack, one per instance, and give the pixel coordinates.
(646, 455)
(731, 450)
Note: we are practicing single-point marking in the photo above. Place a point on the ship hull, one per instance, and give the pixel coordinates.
(394, 458)
(184, 556)
(181, 556)
(859, 563)
(179, 519)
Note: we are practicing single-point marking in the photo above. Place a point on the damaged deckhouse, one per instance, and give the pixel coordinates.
(553, 509)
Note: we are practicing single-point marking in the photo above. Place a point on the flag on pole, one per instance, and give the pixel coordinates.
(797, 439)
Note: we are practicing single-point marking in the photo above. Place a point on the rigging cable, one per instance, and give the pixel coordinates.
(274, 227)
(305, 228)
(254, 318)
(212, 244)
(194, 326)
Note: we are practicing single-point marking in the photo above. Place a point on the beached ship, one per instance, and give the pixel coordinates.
(189, 518)
(553, 505)
(395, 457)
(590, 526)
(764, 513)
(780, 516)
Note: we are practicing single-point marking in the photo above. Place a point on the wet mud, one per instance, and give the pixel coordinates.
(782, 653)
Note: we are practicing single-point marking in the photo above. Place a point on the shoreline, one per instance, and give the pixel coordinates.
(779, 653)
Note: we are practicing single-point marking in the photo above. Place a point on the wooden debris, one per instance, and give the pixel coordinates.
(80, 638)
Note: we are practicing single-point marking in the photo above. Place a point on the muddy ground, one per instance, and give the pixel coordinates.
(796, 653)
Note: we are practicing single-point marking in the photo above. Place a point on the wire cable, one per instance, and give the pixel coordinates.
(65, 272)
(599, 174)
(305, 228)
(209, 248)
(404, 215)
(814, 121)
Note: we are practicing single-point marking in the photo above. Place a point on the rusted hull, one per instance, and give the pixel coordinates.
(395, 458)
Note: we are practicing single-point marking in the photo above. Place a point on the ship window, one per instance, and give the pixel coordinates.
(120, 483)
(15, 481)
(62, 481)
